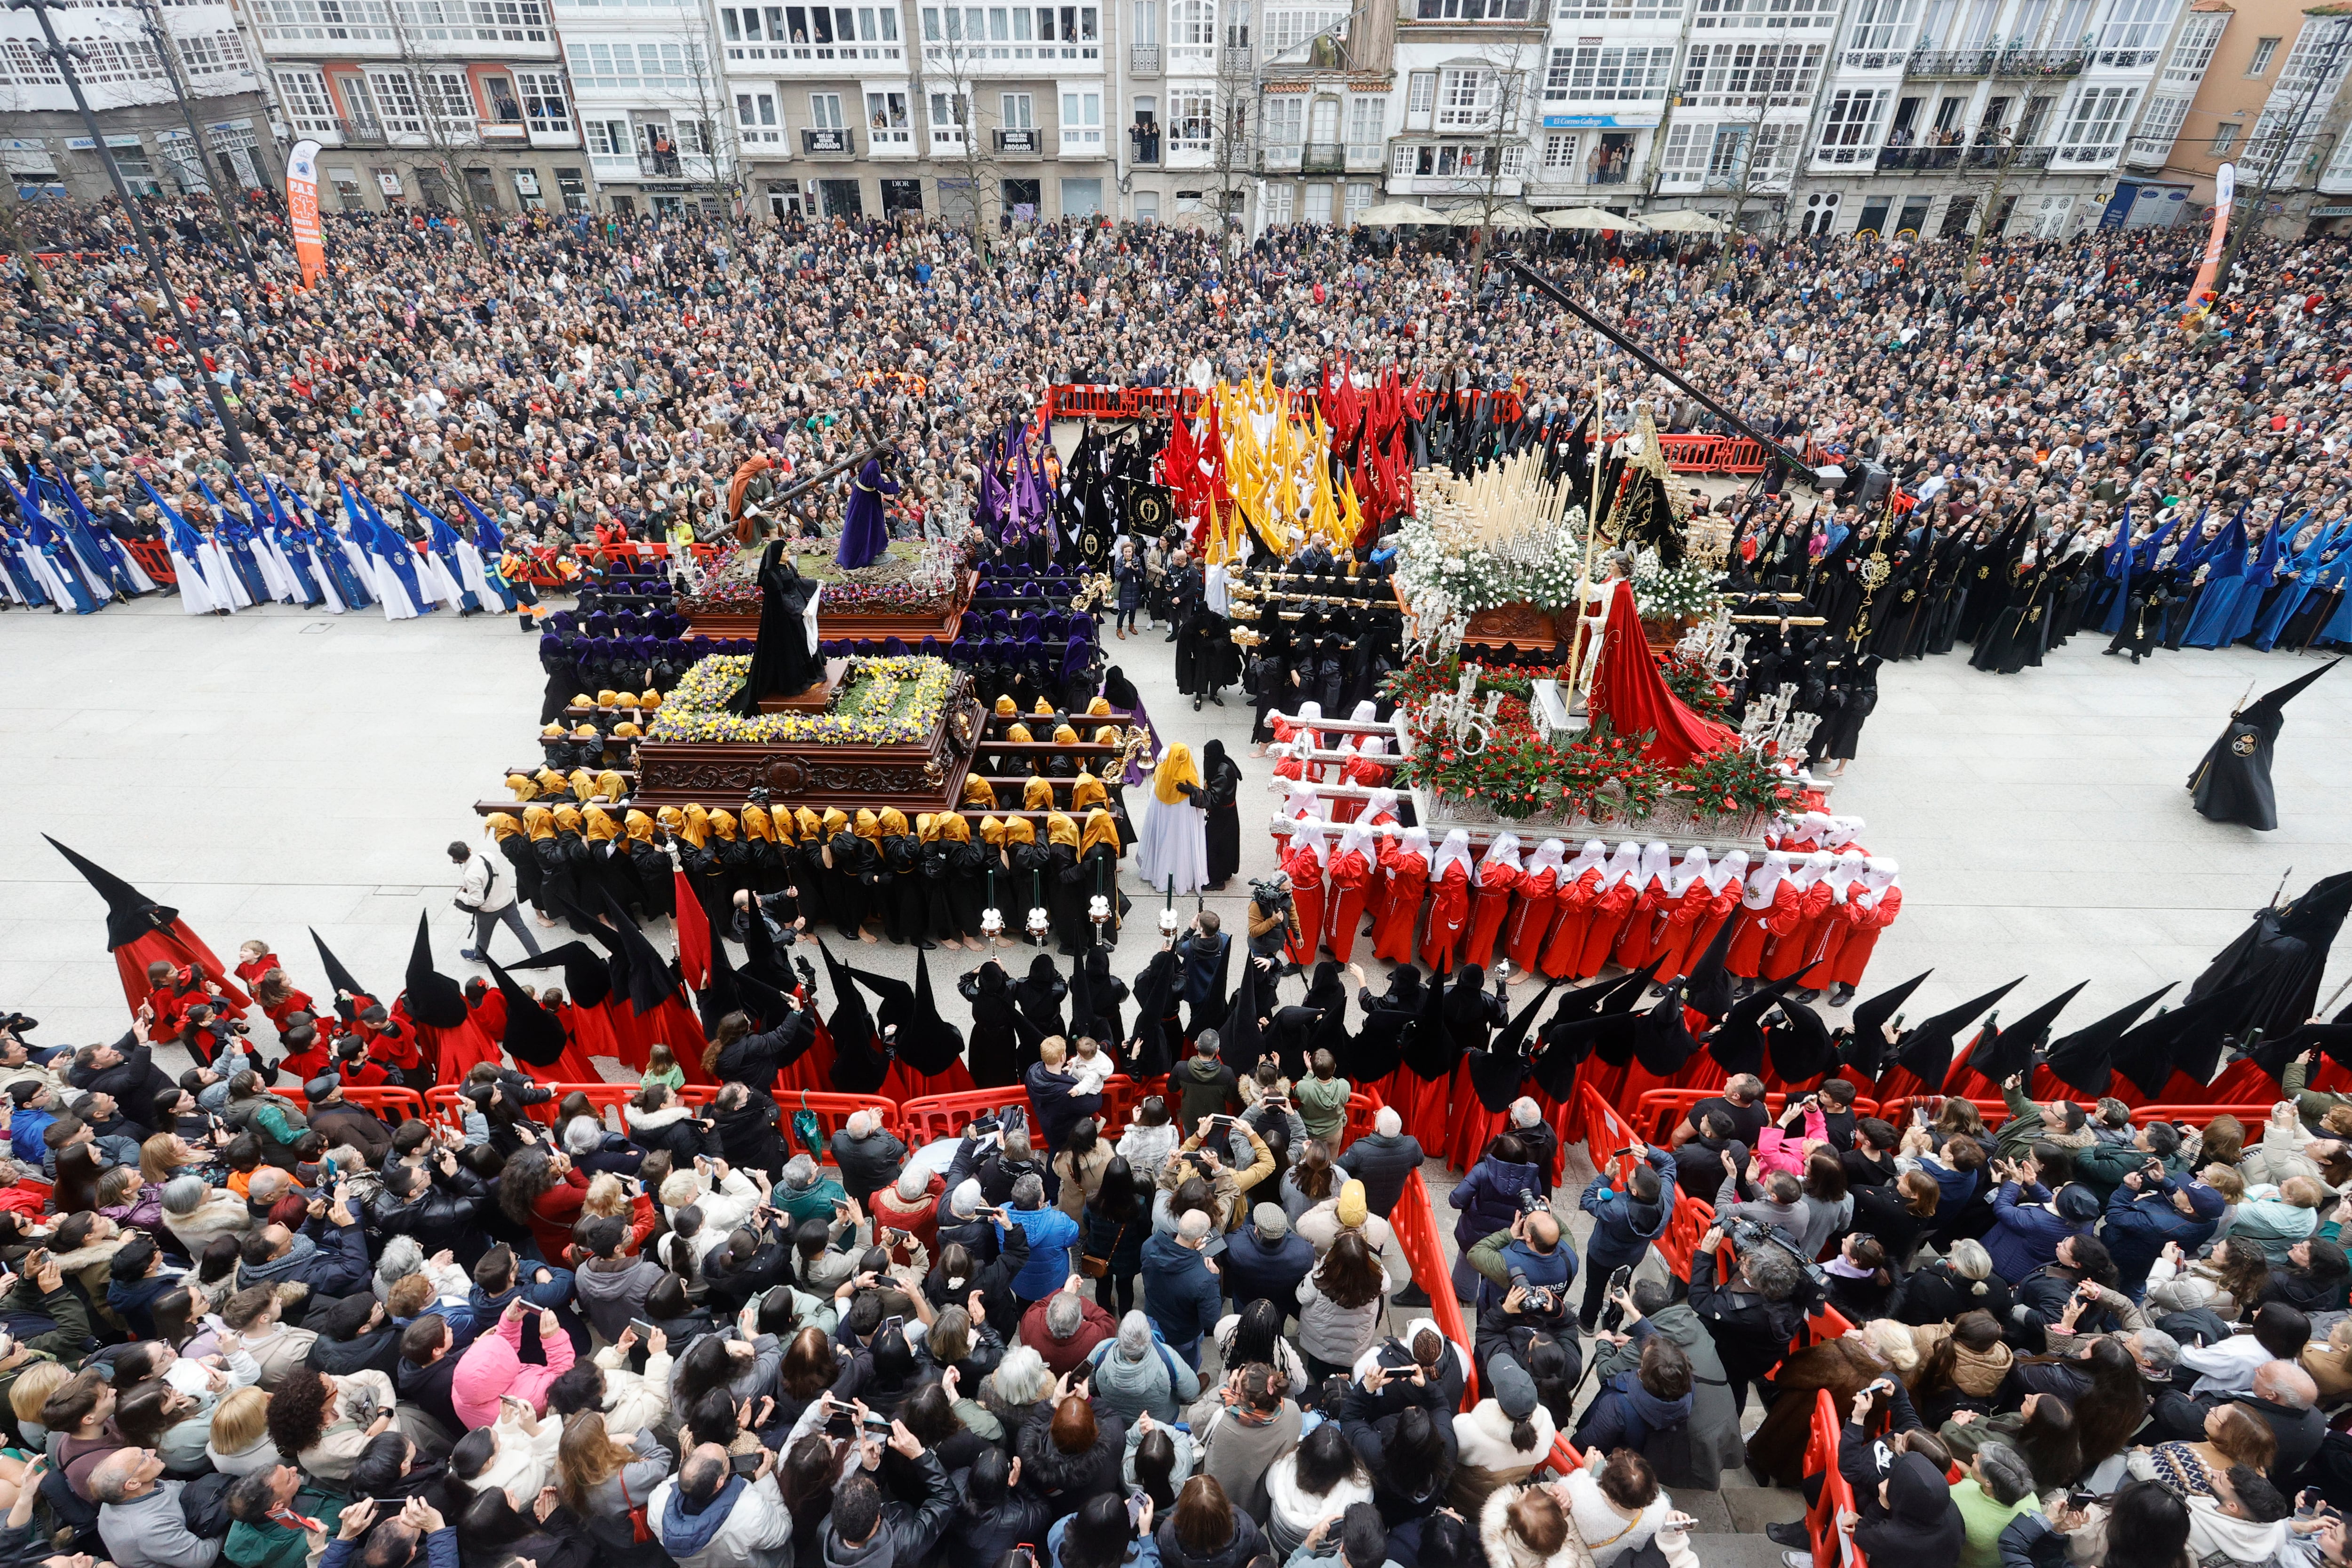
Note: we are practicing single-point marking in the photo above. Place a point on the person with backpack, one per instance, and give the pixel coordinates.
(488, 894)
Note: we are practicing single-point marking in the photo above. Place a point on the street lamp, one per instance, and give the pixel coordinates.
(65, 57)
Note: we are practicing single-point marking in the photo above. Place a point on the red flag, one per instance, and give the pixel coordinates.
(693, 932)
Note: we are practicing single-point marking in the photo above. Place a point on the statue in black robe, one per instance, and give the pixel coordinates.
(784, 662)
(2233, 784)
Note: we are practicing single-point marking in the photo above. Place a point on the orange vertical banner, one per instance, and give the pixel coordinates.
(2225, 190)
(302, 210)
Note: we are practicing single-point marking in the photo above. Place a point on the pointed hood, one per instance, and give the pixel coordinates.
(1154, 992)
(1801, 1046)
(638, 972)
(533, 1036)
(587, 977)
(339, 978)
(1927, 1051)
(130, 913)
(1428, 1044)
(1240, 1042)
(1662, 1041)
(2150, 1053)
(434, 999)
(1708, 988)
(860, 1065)
(2002, 1054)
(1865, 1045)
(1497, 1074)
(2083, 1060)
(928, 1044)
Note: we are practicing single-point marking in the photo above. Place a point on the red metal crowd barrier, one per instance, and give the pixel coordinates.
(1837, 1495)
(1416, 1229)
(1686, 1228)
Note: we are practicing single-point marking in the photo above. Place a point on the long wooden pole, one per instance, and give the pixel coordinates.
(1584, 562)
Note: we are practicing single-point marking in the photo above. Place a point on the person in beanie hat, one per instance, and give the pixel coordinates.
(1264, 1258)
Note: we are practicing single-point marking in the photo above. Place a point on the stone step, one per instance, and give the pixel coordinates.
(1735, 1552)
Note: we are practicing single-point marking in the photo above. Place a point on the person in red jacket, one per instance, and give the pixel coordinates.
(541, 1188)
(1449, 901)
(1882, 901)
(255, 963)
(1498, 878)
(910, 1206)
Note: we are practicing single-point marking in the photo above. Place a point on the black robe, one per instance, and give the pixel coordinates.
(2233, 784)
(783, 662)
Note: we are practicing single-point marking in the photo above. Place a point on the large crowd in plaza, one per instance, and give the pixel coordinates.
(1170, 1331)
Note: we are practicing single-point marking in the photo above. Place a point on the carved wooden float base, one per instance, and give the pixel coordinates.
(851, 625)
(926, 775)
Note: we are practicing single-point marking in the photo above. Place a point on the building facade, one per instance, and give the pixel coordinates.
(456, 104)
(127, 54)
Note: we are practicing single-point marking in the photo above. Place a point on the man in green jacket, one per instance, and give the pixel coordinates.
(280, 1523)
(2101, 1167)
(2059, 1122)
(2330, 1113)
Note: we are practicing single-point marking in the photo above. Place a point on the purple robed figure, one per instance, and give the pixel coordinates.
(864, 533)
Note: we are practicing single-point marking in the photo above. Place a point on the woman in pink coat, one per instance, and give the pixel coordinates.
(493, 1367)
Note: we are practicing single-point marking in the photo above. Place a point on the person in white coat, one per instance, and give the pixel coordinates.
(706, 1517)
(486, 891)
(1501, 1440)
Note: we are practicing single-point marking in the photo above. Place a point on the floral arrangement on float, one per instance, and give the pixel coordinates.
(1510, 769)
(882, 702)
(906, 581)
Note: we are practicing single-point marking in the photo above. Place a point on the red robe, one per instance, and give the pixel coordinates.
(1305, 869)
(1707, 912)
(1530, 921)
(252, 969)
(1578, 901)
(1407, 874)
(578, 1030)
(1365, 774)
(1639, 939)
(1351, 878)
(1449, 917)
(180, 947)
(1801, 942)
(1862, 940)
(1610, 912)
(1677, 914)
(295, 1002)
(1497, 882)
(1756, 926)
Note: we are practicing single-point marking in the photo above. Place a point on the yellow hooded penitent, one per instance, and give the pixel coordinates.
(977, 791)
(1036, 795)
(1006, 707)
(610, 787)
(723, 824)
(1086, 792)
(954, 826)
(672, 820)
(503, 825)
(1042, 707)
(1101, 828)
(869, 826)
(894, 823)
(521, 787)
(756, 825)
(567, 819)
(1098, 708)
(1019, 732)
(1018, 830)
(601, 829)
(541, 823)
(639, 827)
(1107, 736)
(1063, 734)
(697, 830)
(812, 825)
(835, 818)
(1060, 829)
(1175, 768)
(991, 832)
(926, 825)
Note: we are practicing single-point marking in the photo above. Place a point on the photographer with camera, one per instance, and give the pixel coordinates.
(1527, 1270)
(1755, 1311)
(1500, 1188)
(1272, 915)
(1625, 1221)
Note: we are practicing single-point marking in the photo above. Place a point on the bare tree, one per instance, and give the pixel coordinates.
(718, 146)
(1505, 128)
(441, 107)
(11, 228)
(1236, 130)
(952, 71)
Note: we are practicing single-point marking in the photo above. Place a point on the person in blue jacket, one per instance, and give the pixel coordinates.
(1498, 1190)
(2143, 1214)
(2029, 1223)
(1625, 1221)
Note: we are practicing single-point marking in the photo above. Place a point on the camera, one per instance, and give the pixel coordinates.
(1541, 1298)
(1749, 1235)
(1613, 1314)
(1531, 1201)
(1272, 894)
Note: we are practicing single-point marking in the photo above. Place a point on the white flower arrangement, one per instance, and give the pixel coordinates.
(1447, 578)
